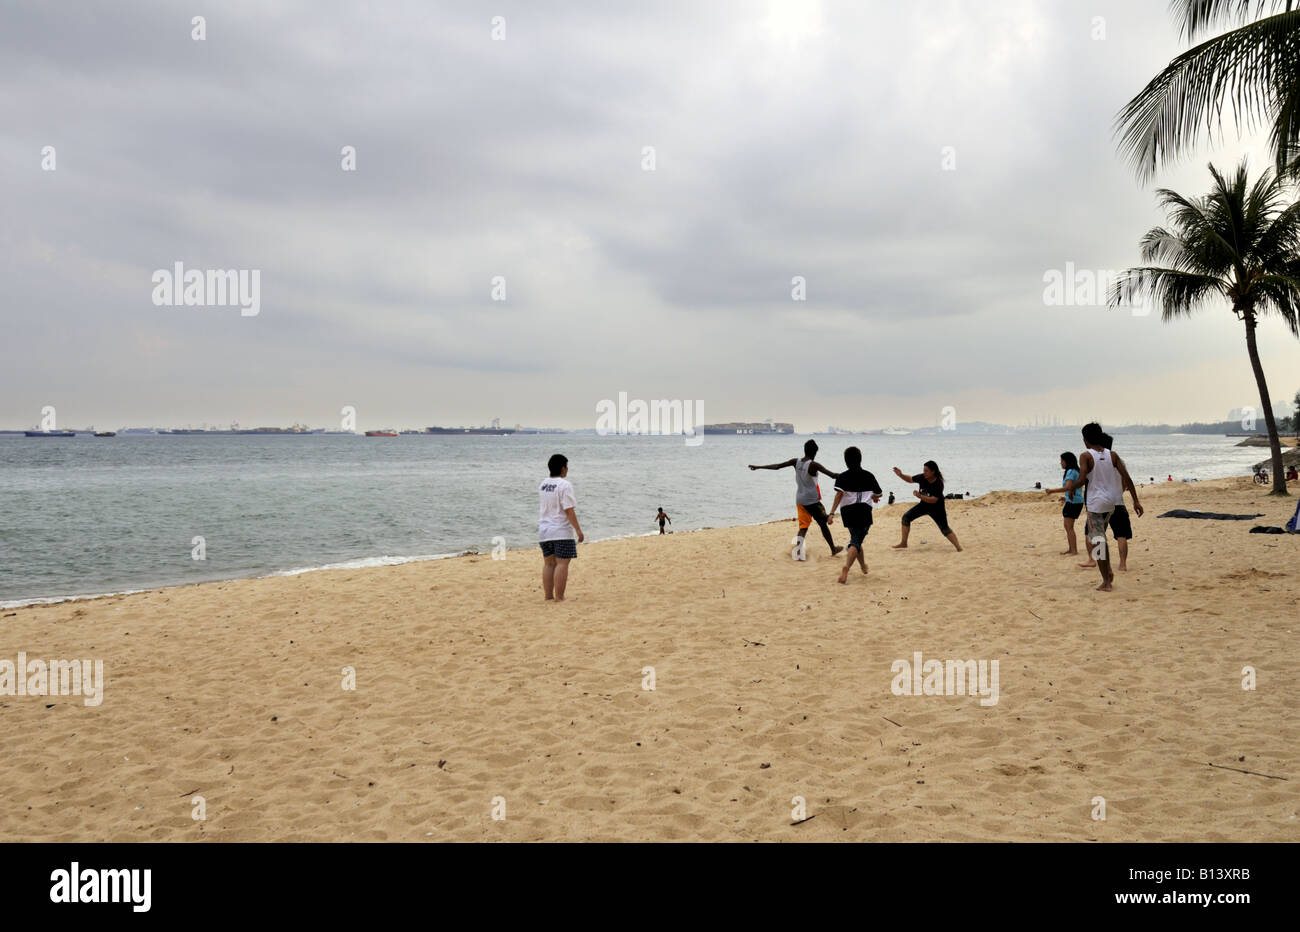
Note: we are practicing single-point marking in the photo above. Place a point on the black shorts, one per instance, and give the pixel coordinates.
(1072, 510)
(1119, 523)
(816, 511)
(939, 514)
(563, 549)
(857, 535)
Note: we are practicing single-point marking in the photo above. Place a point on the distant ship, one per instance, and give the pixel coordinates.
(381, 433)
(105, 433)
(748, 427)
(895, 432)
(50, 433)
(494, 431)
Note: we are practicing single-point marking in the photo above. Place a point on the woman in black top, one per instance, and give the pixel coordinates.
(930, 494)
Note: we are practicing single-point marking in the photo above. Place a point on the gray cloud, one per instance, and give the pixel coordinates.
(790, 139)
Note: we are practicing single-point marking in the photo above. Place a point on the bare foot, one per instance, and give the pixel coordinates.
(900, 546)
(1123, 568)
(844, 575)
(1088, 566)
(1069, 553)
(1105, 587)
(959, 550)
(836, 551)
(864, 570)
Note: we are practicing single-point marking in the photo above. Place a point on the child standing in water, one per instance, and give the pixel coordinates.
(856, 489)
(930, 494)
(661, 518)
(1073, 499)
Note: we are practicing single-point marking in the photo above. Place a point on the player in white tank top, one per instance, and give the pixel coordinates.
(1105, 487)
(1105, 474)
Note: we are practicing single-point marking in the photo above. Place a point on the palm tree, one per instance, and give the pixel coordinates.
(1254, 68)
(1239, 243)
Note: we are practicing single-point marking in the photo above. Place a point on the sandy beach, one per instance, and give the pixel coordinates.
(771, 682)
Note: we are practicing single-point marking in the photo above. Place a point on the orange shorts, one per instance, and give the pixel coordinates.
(805, 519)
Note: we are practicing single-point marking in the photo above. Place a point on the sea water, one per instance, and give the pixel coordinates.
(89, 515)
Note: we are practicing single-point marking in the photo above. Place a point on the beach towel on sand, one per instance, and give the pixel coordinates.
(1184, 513)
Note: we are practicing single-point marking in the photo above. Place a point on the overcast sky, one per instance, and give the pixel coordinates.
(790, 139)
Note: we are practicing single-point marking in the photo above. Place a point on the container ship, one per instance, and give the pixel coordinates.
(495, 430)
(746, 427)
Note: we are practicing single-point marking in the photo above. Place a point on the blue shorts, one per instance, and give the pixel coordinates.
(564, 549)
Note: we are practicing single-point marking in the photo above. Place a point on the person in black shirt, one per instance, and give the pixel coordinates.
(857, 489)
(931, 502)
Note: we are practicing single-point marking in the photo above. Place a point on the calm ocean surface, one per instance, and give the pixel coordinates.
(92, 515)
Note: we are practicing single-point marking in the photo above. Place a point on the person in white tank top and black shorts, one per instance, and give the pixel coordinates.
(1107, 477)
(1120, 525)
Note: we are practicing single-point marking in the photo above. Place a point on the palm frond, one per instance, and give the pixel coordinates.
(1250, 70)
(1198, 17)
(1175, 292)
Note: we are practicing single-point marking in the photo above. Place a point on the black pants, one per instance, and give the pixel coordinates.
(934, 510)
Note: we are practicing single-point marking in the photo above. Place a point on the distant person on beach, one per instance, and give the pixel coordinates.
(930, 494)
(1107, 477)
(891, 498)
(856, 489)
(557, 527)
(1120, 525)
(1073, 489)
(808, 496)
(661, 518)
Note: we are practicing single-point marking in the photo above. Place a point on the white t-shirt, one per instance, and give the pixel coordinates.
(552, 523)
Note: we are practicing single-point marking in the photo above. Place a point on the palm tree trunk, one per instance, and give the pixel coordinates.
(1275, 446)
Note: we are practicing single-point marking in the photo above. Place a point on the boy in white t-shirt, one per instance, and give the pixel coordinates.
(557, 527)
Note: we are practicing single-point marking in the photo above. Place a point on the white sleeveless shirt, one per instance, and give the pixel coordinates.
(1105, 488)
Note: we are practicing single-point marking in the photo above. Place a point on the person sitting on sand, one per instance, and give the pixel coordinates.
(1107, 477)
(661, 518)
(1291, 474)
(1120, 525)
(1073, 499)
(557, 526)
(857, 489)
(808, 496)
(930, 494)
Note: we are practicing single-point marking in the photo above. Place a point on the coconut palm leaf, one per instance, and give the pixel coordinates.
(1253, 71)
